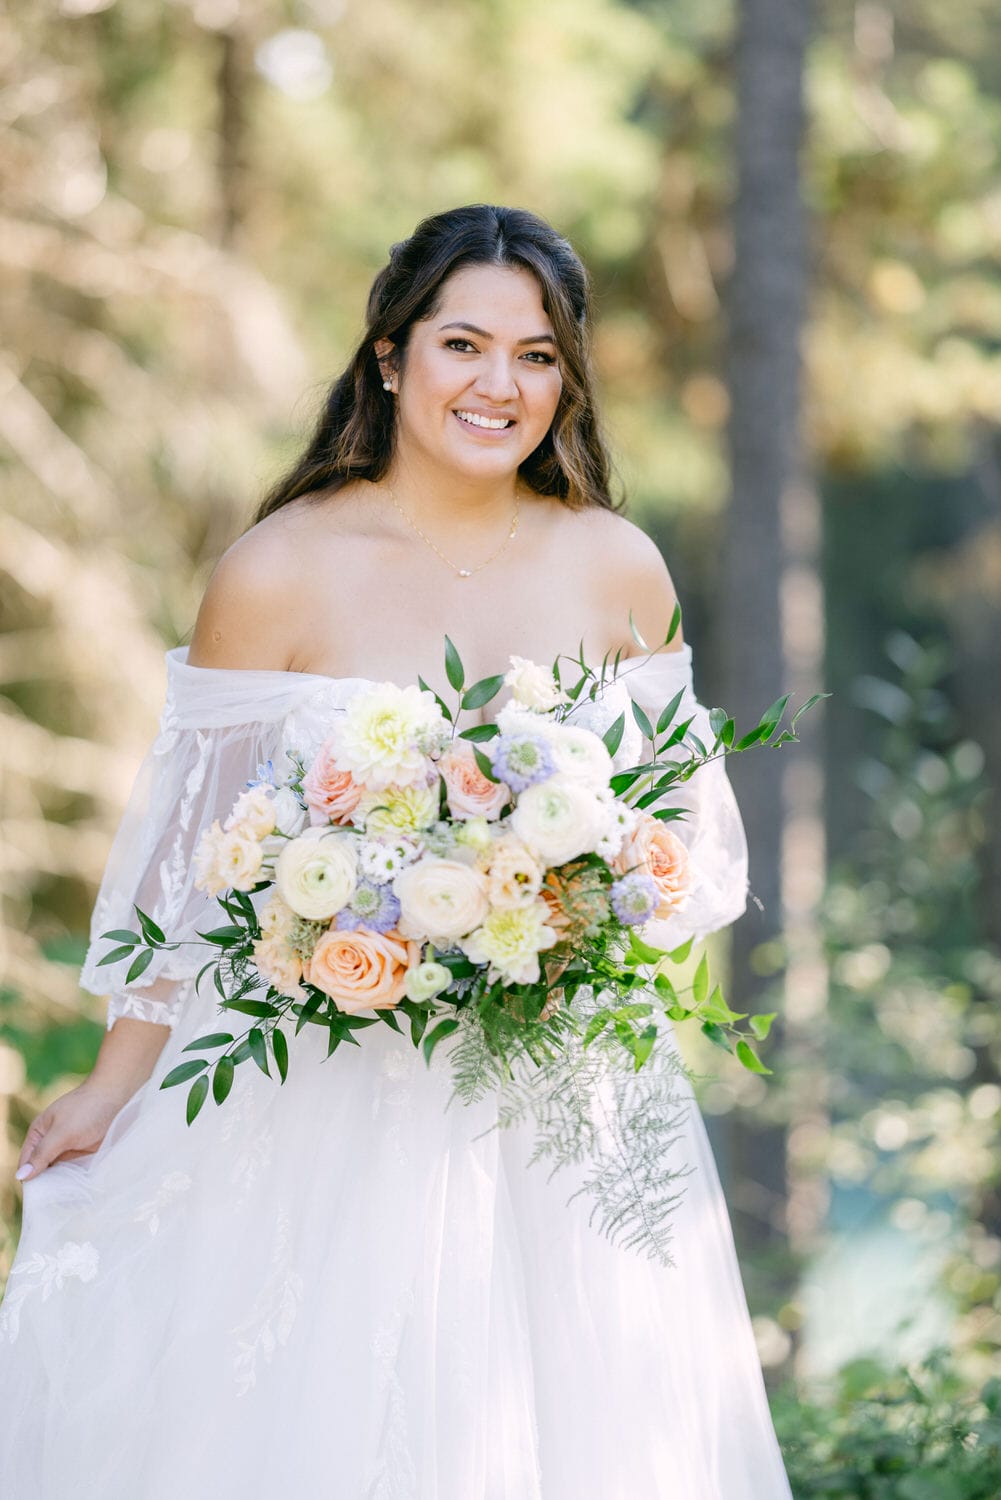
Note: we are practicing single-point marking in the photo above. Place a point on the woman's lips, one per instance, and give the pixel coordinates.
(484, 432)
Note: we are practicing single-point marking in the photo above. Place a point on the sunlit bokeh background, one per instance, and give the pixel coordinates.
(197, 196)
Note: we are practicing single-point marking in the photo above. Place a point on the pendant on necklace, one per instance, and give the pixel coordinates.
(464, 572)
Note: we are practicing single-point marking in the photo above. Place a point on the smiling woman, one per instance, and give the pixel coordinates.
(408, 1300)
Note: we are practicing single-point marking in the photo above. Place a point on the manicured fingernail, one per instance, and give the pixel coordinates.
(23, 1172)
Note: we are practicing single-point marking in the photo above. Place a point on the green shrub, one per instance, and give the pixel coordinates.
(913, 1434)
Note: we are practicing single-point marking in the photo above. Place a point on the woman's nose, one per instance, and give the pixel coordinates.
(496, 379)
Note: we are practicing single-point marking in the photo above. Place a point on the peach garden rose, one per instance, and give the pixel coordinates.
(470, 794)
(659, 852)
(330, 792)
(362, 970)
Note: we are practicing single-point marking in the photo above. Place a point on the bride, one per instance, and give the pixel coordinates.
(340, 1287)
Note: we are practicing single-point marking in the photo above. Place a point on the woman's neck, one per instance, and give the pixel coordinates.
(445, 501)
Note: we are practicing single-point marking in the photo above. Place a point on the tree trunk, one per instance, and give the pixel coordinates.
(769, 523)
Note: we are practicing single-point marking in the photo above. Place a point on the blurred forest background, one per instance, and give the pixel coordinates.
(793, 219)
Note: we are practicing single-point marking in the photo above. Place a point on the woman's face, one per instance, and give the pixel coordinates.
(501, 365)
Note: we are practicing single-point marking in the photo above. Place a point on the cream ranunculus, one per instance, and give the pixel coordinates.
(533, 686)
(559, 819)
(387, 735)
(580, 754)
(316, 873)
(440, 899)
(510, 941)
(398, 809)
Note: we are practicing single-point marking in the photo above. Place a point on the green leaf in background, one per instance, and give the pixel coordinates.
(667, 714)
(216, 1039)
(279, 1047)
(674, 626)
(121, 935)
(641, 719)
(142, 961)
(438, 1034)
(716, 1035)
(453, 666)
(481, 692)
(750, 1059)
(117, 953)
(150, 930)
(612, 738)
(196, 1098)
(479, 732)
(634, 632)
(258, 1049)
(679, 954)
(184, 1071)
(762, 1025)
(485, 764)
(222, 1078)
(700, 983)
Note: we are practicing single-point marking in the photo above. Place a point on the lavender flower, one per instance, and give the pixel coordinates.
(372, 906)
(520, 760)
(634, 898)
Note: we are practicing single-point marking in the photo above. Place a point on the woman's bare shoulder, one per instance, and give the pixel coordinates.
(244, 619)
(631, 573)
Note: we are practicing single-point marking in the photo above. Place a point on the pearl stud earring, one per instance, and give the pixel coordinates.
(387, 385)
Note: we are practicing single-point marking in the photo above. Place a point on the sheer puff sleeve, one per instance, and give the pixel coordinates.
(217, 727)
(712, 829)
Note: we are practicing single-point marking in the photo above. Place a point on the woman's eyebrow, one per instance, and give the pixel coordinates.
(538, 338)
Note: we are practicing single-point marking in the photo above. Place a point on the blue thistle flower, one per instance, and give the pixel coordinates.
(372, 906)
(520, 760)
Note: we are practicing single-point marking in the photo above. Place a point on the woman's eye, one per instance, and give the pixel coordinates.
(450, 343)
(547, 359)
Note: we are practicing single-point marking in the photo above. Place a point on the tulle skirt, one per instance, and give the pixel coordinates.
(341, 1289)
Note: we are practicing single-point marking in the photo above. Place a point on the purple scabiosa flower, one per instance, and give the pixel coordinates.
(372, 906)
(634, 898)
(520, 760)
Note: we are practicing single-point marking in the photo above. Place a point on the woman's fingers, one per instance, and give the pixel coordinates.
(41, 1144)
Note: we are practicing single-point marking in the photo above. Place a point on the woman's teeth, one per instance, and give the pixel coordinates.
(478, 421)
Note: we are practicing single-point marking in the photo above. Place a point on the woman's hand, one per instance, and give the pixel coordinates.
(73, 1125)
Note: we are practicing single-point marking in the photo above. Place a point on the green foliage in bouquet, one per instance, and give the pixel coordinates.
(574, 1050)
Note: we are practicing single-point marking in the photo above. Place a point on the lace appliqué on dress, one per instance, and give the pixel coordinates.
(47, 1273)
(270, 1321)
(171, 1187)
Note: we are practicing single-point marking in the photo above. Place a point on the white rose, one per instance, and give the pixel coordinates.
(426, 980)
(559, 819)
(580, 754)
(440, 899)
(533, 686)
(316, 873)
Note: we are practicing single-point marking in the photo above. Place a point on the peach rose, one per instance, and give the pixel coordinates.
(362, 970)
(653, 848)
(470, 794)
(330, 792)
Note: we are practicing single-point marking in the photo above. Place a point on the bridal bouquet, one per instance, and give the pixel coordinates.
(492, 882)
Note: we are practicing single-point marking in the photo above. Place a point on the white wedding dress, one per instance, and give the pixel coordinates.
(338, 1288)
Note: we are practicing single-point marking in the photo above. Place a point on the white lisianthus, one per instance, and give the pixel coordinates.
(253, 812)
(279, 967)
(387, 735)
(510, 941)
(580, 754)
(317, 872)
(440, 899)
(514, 875)
(396, 810)
(559, 819)
(532, 686)
(275, 918)
(620, 821)
(227, 858)
(426, 980)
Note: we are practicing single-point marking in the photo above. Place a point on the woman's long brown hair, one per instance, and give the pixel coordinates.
(355, 433)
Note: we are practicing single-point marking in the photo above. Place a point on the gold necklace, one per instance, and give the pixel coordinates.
(462, 572)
